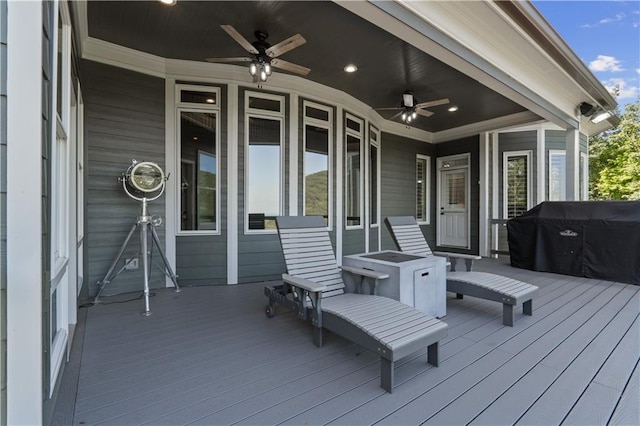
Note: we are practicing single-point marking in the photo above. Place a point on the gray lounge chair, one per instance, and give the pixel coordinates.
(409, 238)
(314, 289)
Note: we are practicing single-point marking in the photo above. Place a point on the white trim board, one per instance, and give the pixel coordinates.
(24, 214)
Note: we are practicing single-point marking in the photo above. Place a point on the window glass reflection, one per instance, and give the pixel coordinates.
(316, 172)
(263, 171)
(352, 180)
(198, 171)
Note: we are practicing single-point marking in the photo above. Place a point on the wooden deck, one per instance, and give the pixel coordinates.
(209, 355)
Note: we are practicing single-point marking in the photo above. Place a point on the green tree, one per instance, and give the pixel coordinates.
(614, 159)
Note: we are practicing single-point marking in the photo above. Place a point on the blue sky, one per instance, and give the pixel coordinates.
(605, 35)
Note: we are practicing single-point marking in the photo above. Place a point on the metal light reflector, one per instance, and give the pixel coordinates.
(146, 177)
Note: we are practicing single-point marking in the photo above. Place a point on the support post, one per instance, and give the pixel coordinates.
(573, 164)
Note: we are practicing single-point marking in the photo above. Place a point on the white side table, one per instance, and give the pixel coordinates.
(416, 281)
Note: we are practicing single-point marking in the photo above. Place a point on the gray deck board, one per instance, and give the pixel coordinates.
(209, 355)
(627, 412)
(473, 402)
(369, 412)
(554, 405)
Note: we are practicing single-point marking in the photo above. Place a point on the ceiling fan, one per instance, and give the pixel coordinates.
(263, 56)
(409, 109)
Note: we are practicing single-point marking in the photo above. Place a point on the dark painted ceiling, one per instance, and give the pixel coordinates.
(387, 66)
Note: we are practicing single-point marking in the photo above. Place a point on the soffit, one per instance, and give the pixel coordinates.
(387, 66)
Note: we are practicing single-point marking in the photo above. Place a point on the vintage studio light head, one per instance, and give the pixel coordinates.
(143, 180)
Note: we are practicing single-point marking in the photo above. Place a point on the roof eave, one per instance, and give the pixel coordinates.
(538, 28)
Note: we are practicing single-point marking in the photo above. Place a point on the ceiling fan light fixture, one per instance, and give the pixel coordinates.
(350, 68)
(414, 114)
(407, 99)
(263, 75)
(253, 68)
(267, 68)
(452, 108)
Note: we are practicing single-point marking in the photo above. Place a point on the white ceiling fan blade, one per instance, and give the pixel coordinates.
(395, 116)
(387, 109)
(424, 112)
(286, 45)
(240, 39)
(224, 60)
(437, 102)
(288, 66)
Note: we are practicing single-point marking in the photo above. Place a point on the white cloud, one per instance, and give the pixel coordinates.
(619, 17)
(627, 91)
(605, 63)
(638, 70)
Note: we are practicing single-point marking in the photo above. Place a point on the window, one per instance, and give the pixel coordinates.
(557, 175)
(516, 175)
(263, 161)
(317, 160)
(584, 176)
(353, 172)
(374, 175)
(422, 188)
(60, 195)
(198, 131)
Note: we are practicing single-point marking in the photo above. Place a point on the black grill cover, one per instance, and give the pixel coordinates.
(595, 239)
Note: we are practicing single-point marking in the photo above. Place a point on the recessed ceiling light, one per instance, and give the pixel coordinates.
(350, 68)
(168, 2)
(452, 109)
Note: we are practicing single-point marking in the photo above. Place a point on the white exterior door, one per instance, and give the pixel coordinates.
(453, 202)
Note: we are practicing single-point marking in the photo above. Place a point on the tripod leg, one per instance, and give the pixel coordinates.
(145, 266)
(107, 276)
(173, 276)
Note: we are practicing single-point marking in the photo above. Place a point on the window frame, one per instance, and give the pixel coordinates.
(505, 196)
(328, 124)
(268, 115)
(361, 136)
(374, 144)
(60, 195)
(198, 108)
(427, 185)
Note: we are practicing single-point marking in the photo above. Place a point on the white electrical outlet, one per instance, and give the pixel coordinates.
(131, 264)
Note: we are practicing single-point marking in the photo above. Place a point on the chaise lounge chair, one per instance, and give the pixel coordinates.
(409, 238)
(314, 288)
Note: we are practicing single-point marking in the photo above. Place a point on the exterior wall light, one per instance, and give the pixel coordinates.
(601, 117)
